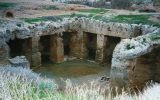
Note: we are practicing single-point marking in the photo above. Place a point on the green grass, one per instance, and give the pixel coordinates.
(98, 17)
(93, 11)
(155, 36)
(6, 5)
(130, 19)
(32, 20)
(130, 47)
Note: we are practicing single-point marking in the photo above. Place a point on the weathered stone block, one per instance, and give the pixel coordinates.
(19, 61)
(36, 59)
(57, 49)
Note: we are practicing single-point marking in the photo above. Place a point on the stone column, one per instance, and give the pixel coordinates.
(31, 51)
(56, 49)
(101, 48)
(78, 44)
(36, 55)
(4, 52)
(27, 49)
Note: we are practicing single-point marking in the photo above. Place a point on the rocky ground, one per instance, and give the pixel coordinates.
(38, 8)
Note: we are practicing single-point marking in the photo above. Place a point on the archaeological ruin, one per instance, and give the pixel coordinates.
(132, 49)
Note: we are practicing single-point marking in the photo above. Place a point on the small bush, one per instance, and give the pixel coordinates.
(72, 15)
(155, 36)
(130, 47)
(19, 25)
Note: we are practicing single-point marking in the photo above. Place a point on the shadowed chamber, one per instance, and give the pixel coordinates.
(15, 47)
(112, 42)
(91, 45)
(9, 15)
(44, 48)
(66, 42)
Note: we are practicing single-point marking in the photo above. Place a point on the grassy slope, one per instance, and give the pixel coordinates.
(130, 19)
(6, 5)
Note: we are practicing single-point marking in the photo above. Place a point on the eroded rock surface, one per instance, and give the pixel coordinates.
(134, 61)
(19, 61)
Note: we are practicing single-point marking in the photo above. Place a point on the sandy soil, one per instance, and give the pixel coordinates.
(35, 8)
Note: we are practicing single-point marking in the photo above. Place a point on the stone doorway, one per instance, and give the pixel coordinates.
(18, 47)
(66, 42)
(110, 46)
(44, 48)
(92, 45)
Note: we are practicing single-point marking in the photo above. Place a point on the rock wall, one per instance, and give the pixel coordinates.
(134, 61)
(24, 30)
(56, 49)
(4, 52)
(78, 43)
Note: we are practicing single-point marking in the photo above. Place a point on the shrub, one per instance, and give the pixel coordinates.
(155, 36)
(130, 47)
(29, 75)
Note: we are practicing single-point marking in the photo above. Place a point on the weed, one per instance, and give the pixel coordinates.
(97, 17)
(90, 15)
(134, 19)
(155, 36)
(19, 25)
(72, 15)
(32, 20)
(130, 47)
(144, 41)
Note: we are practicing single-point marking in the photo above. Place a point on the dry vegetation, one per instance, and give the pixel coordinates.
(24, 86)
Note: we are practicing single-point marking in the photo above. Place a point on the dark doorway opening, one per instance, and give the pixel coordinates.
(44, 48)
(15, 47)
(66, 42)
(113, 41)
(92, 45)
(9, 14)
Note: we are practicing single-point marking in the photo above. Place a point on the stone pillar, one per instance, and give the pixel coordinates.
(27, 49)
(36, 55)
(78, 44)
(56, 49)
(31, 51)
(4, 52)
(101, 48)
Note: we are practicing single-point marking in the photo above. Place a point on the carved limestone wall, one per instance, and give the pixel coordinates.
(78, 44)
(9, 30)
(56, 49)
(134, 61)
